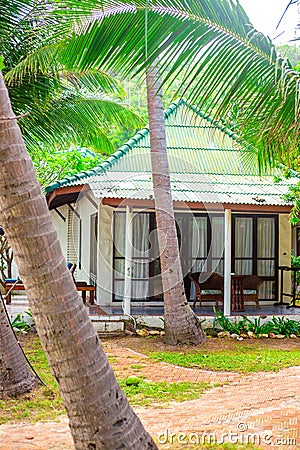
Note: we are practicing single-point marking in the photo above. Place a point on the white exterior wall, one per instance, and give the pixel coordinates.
(61, 226)
(85, 210)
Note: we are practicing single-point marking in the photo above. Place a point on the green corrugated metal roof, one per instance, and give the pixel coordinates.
(207, 163)
(184, 135)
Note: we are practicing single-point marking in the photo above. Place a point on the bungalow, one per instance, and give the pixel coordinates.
(230, 217)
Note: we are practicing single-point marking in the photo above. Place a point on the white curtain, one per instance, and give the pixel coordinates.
(265, 246)
(119, 234)
(243, 245)
(198, 243)
(119, 251)
(217, 244)
(140, 253)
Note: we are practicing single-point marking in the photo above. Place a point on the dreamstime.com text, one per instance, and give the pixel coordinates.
(242, 436)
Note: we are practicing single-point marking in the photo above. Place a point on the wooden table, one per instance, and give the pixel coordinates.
(81, 286)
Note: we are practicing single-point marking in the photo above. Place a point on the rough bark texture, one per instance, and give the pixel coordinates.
(181, 324)
(99, 413)
(16, 377)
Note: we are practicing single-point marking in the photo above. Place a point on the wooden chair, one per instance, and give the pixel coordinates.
(209, 286)
(251, 285)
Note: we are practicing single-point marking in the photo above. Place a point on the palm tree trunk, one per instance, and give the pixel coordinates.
(16, 377)
(181, 324)
(99, 413)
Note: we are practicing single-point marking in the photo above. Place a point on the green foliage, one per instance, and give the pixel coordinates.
(227, 325)
(60, 105)
(281, 325)
(51, 165)
(250, 73)
(290, 52)
(293, 196)
(285, 326)
(256, 327)
(23, 322)
(295, 263)
(1, 62)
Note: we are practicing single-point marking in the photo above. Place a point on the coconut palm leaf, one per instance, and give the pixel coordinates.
(60, 115)
(226, 61)
(60, 105)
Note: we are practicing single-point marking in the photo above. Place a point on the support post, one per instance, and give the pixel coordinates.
(227, 263)
(128, 260)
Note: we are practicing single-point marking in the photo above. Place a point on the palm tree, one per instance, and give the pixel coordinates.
(57, 106)
(223, 61)
(16, 378)
(99, 413)
(181, 324)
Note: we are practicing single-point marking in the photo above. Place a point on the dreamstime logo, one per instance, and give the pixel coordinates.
(128, 244)
(241, 436)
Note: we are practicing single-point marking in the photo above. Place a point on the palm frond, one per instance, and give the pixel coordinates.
(73, 118)
(226, 61)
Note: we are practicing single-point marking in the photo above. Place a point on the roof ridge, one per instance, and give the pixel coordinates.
(121, 151)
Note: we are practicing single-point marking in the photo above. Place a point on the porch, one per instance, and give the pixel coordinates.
(205, 311)
(109, 319)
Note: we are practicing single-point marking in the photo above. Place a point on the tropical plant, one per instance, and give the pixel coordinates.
(212, 42)
(285, 326)
(52, 165)
(227, 325)
(278, 325)
(256, 327)
(23, 321)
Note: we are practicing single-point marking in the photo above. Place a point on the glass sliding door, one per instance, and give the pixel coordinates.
(140, 256)
(266, 256)
(255, 250)
(141, 251)
(201, 245)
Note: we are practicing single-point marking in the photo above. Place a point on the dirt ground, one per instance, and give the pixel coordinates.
(148, 344)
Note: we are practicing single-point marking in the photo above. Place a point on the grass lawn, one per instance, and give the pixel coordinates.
(242, 359)
(45, 402)
(250, 356)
